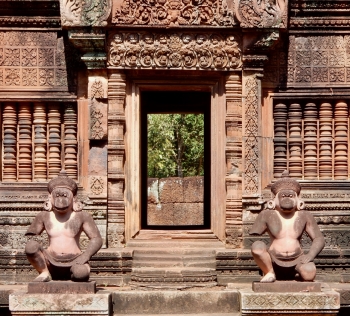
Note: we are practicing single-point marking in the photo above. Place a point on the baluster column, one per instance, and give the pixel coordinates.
(310, 141)
(295, 141)
(54, 127)
(9, 116)
(341, 141)
(70, 142)
(325, 149)
(40, 145)
(280, 139)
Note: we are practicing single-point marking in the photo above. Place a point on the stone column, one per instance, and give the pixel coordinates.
(234, 161)
(116, 158)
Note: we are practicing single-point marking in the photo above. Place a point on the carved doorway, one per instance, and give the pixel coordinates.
(175, 160)
(212, 91)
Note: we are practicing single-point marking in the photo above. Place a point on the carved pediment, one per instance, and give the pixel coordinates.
(201, 51)
(250, 13)
(85, 13)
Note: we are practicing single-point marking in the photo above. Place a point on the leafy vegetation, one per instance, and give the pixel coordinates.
(175, 145)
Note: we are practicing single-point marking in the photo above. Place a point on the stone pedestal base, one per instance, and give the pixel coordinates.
(326, 302)
(62, 287)
(22, 303)
(286, 286)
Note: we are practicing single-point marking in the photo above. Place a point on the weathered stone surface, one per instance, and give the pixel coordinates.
(188, 214)
(62, 287)
(152, 193)
(59, 304)
(327, 302)
(160, 214)
(171, 190)
(175, 302)
(193, 189)
(286, 286)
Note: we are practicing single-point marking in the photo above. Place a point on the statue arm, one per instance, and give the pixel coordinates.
(37, 226)
(315, 234)
(95, 239)
(259, 226)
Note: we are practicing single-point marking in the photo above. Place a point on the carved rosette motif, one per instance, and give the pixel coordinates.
(201, 51)
(85, 12)
(173, 12)
(251, 142)
(264, 13)
(30, 61)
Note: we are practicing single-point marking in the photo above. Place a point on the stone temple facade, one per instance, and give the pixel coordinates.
(74, 80)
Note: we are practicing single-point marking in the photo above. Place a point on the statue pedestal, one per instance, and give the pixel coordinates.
(286, 286)
(325, 302)
(62, 287)
(58, 304)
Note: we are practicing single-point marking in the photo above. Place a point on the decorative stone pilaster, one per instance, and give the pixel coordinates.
(234, 161)
(116, 157)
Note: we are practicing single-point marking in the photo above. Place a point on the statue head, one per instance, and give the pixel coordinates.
(286, 194)
(62, 194)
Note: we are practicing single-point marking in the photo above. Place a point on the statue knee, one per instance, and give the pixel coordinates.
(307, 271)
(80, 272)
(32, 247)
(258, 248)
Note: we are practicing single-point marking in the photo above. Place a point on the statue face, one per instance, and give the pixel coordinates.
(62, 200)
(287, 200)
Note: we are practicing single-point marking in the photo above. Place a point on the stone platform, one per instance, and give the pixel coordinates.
(286, 286)
(22, 303)
(326, 302)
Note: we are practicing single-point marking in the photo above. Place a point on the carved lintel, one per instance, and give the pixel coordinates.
(185, 50)
(91, 45)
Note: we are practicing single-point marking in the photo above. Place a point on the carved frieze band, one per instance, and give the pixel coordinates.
(251, 139)
(32, 60)
(319, 60)
(85, 13)
(201, 51)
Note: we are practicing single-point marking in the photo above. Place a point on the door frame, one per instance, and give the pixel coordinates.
(133, 150)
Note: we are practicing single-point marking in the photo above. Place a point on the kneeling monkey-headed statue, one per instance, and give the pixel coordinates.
(64, 221)
(285, 221)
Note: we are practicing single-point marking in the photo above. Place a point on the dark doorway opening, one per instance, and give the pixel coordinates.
(179, 198)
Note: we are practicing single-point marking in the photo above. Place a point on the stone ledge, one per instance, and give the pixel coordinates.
(22, 303)
(325, 302)
(62, 287)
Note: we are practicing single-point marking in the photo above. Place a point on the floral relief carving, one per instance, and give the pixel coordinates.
(46, 77)
(318, 59)
(29, 57)
(97, 185)
(177, 50)
(1, 78)
(12, 77)
(29, 77)
(173, 12)
(12, 57)
(21, 55)
(97, 131)
(97, 89)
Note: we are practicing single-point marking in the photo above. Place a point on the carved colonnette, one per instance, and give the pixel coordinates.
(116, 157)
(234, 161)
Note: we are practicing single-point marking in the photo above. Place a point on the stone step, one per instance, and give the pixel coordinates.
(199, 302)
